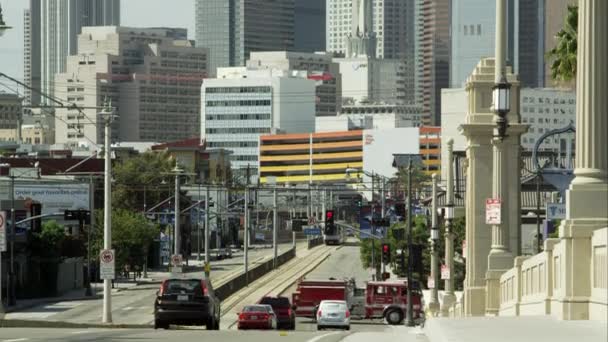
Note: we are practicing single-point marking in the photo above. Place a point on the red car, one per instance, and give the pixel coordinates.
(257, 317)
(286, 316)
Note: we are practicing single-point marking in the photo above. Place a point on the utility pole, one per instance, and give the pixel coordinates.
(10, 286)
(207, 254)
(434, 302)
(246, 236)
(275, 223)
(410, 260)
(198, 225)
(88, 292)
(107, 115)
(178, 233)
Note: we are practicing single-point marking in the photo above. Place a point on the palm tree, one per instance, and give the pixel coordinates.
(563, 54)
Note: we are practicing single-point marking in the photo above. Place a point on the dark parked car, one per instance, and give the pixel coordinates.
(286, 316)
(186, 302)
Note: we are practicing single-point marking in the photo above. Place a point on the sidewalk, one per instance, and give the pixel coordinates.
(72, 295)
(520, 329)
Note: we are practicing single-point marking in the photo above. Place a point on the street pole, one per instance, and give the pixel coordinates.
(246, 237)
(275, 222)
(88, 291)
(410, 260)
(10, 286)
(207, 254)
(538, 237)
(373, 207)
(178, 235)
(108, 115)
(449, 297)
(434, 302)
(198, 225)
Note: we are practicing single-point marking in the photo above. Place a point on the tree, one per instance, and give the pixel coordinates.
(132, 236)
(145, 170)
(48, 243)
(563, 54)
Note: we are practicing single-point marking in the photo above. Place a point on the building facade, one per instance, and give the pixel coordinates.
(430, 149)
(367, 79)
(10, 114)
(546, 109)
(241, 104)
(318, 67)
(151, 76)
(433, 56)
(371, 116)
(385, 24)
(309, 26)
(232, 29)
(51, 33)
(310, 157)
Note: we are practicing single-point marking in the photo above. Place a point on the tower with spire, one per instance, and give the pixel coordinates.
(361, 41)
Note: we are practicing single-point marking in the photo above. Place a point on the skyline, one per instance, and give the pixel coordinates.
(11, 47)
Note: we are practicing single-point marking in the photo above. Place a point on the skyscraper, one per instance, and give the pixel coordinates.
(432, 56)
(231, 29)
(52, 28)
(309, 26)
(531, 43)
(390, 24)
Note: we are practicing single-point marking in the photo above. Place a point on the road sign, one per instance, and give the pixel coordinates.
(430, 282)
(2, 231)
(312, 220)
(176, 260)
(445, 272)
(106, 263)
(556, 211)
(310, 230)
(493, 211)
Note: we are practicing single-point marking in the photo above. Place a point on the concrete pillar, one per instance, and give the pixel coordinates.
(478, 130)
(449, 297)
(587, 197)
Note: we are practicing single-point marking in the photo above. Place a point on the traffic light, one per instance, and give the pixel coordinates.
(386, 253)
(400, 209)
(329, 222)
(401, 266)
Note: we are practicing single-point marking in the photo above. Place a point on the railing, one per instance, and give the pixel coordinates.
(532, 286)
(599, 276)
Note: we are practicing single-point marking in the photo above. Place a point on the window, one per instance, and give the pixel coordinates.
(479, 29)
(466, 30)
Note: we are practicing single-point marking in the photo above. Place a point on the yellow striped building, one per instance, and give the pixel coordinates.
(310, 157)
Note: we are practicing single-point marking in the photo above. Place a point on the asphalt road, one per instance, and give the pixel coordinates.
(396, 334)
(133, 305)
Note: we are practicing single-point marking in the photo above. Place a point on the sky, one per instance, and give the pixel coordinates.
(137, 13)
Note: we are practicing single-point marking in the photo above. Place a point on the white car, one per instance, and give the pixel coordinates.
(333, 314)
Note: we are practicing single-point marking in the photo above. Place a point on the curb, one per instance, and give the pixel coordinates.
(49, 301)
(20, 323)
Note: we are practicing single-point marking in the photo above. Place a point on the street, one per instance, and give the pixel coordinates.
(395, 334)
(133, 305)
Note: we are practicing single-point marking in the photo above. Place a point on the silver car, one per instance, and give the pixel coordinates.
(333, 314)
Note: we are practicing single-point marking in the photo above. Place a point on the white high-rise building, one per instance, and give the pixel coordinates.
(51, 32)
(353, 25)
(152, 76)
(241, 104)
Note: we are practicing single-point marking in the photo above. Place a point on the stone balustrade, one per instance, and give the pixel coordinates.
(531, 286)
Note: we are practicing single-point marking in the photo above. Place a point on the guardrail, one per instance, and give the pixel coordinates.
(598, 306)
(239, 281)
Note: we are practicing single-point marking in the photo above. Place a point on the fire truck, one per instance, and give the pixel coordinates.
(379, 299)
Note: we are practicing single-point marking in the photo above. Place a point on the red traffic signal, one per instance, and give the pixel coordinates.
(329, 215)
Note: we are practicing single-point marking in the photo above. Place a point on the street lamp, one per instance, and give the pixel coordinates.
(3, 26)
(501, 96)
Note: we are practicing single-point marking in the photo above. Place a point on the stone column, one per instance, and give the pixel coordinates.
(449, 298)
(434, 302)
(587, 197)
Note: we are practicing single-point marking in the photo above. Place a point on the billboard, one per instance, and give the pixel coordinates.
(55, 197)
(379, 145)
